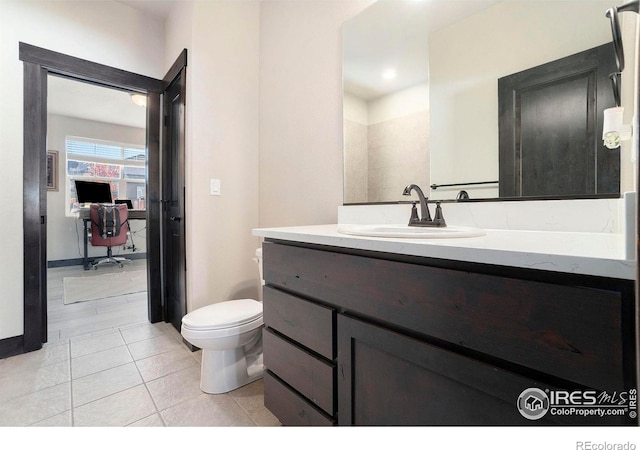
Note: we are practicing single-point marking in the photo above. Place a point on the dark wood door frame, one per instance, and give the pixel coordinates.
(173, 217)
(38, 63)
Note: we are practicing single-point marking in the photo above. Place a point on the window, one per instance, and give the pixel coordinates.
(120, 165)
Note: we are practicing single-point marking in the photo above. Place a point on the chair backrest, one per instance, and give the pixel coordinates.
(109, 224)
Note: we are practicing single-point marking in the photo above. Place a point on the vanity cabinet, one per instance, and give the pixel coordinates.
(367, 338)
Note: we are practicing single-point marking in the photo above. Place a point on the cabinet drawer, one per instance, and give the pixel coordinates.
(309, 375)
(289, 407)
(573, 331)
(305, 322)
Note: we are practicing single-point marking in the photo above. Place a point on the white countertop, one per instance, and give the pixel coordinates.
(601, 254)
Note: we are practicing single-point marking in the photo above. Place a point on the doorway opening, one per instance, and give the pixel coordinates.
(38, 64)
(96, 136)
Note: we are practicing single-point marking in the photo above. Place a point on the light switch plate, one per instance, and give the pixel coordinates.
(214, 187)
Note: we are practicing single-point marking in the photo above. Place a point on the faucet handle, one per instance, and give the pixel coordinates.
(414, 214)
(438, 218)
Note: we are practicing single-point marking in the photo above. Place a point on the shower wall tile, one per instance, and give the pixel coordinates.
(355, 162)
(398, 155)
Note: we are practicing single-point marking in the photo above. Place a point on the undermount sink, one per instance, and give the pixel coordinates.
(405, 231)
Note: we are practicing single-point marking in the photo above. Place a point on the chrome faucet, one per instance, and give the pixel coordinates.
(425, 217)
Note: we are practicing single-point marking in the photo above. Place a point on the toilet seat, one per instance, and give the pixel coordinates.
(223, 319)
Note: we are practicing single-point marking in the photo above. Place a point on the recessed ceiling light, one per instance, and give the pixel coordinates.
(139, 99)
(389, 74)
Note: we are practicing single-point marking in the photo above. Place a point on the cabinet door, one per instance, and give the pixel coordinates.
(386, 378)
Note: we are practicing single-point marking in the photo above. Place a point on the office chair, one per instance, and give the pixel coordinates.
(109, 228)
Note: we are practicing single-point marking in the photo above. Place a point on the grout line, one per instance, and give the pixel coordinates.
(73, 418)
(144, 383)
(243, 408)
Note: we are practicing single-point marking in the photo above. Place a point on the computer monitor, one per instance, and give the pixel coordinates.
(124, 201)
(93, 192)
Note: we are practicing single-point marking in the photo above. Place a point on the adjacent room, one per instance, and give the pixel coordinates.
(96, 137)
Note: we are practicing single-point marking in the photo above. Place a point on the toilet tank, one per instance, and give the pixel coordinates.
(258, 259)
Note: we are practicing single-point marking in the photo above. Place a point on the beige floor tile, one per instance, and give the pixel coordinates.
(165, 363)
(60, 420)
(112, 304)
(36, 407)
(97, 362)
(264, 418)
(140, 332)
(137, 297)
(121, 409)
(168, 329)
(22, 380)
(48, 354)
(87, 345)
(178, 387)
(54, 336)
(153, 346)
(207, 410)
(152, 421)
(105, 383)
(251, 400)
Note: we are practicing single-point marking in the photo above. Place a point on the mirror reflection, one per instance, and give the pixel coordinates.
(421, 100)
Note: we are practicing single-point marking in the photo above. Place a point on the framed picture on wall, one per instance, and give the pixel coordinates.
(52, 170)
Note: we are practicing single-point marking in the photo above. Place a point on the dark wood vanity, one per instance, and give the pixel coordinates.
(357, 337)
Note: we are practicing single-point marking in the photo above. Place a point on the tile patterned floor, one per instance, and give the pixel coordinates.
(77, 319)
(105, 365)
(138, 375)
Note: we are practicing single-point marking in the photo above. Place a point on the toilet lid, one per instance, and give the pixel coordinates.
(226, 314)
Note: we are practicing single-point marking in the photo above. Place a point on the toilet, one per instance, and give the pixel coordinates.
(230, 336)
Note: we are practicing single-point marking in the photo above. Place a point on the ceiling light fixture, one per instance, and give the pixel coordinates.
(389, 74)
(139, 99)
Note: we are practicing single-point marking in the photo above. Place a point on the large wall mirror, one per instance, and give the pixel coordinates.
(421, 97)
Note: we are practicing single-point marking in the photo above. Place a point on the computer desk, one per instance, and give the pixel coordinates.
(85, 215)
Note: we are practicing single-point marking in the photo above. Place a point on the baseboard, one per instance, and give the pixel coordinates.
(189, 345)
(80, 261)
(11, 346)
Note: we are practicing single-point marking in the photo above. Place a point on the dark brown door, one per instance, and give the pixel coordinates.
(551, 128)
(173, 194)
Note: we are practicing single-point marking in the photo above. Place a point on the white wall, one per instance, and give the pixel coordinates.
(301, 158)
(355, 109)
(64, 234)
(399, 104)
(105, 32)
(222, 106)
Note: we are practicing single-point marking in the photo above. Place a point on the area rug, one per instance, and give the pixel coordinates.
(93, 287)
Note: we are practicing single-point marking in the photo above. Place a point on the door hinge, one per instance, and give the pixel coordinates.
(166, 121)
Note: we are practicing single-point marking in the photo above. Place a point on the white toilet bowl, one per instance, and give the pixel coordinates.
(230, 336)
